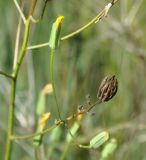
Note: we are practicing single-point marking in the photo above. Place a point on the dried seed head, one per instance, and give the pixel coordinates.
(108, 88)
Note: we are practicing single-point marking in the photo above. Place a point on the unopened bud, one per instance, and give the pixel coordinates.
(108, 88)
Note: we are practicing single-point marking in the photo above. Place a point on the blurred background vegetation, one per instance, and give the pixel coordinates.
(115, 45)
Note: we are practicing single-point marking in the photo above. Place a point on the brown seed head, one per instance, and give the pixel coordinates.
(108, 88)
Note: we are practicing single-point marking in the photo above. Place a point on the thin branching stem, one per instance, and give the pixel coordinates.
(6, 75)
(33, 4)
(38, 46)
(13, 92)
(100, 16)
(59, 122)
(14, 75)
(20, 11)
(34, 134)
(10, 121)
(17, 40)
(52, 80)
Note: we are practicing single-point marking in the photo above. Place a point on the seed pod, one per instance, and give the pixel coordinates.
(108, 88)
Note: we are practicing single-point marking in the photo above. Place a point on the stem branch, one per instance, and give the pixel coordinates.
(20, 11)
(58, 123)
(101, 15)
(6, 75)
(52, 79)
(10, 121)
(13, 92)
(38, 46)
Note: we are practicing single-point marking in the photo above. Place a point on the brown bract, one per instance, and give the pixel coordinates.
(108, 88)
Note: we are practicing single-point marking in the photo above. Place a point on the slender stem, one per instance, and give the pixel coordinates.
(38, 46)
(20, 11)
(86, 110)
(14, 75)
(83, 146)
(10, 122)
(6, 75)
(94, 104)
(34, 20)
(13, 92)
(32, 7)
(37, 153)
(65, 150)
(14, 80)
(58, 123)
(94, 20)
(80, 29)
(101, 15)
(23, 49)
(52, 79)
(44, 7)
(35, 134)
(17, 40)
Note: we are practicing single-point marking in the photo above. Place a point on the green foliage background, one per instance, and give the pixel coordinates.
(115, 45)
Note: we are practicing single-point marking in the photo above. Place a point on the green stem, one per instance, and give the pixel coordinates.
(13, 92)
(38, 46)
(20, 11)
(35, 134)
(52, 80)
(79, 30)
(83, 146)
(59, 122)
(10, 121)
(6, 75)
(23, 49)
(65, 150)
(101, 15)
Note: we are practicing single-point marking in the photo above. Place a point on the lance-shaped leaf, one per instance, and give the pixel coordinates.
(55, 32)
(41, 126)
